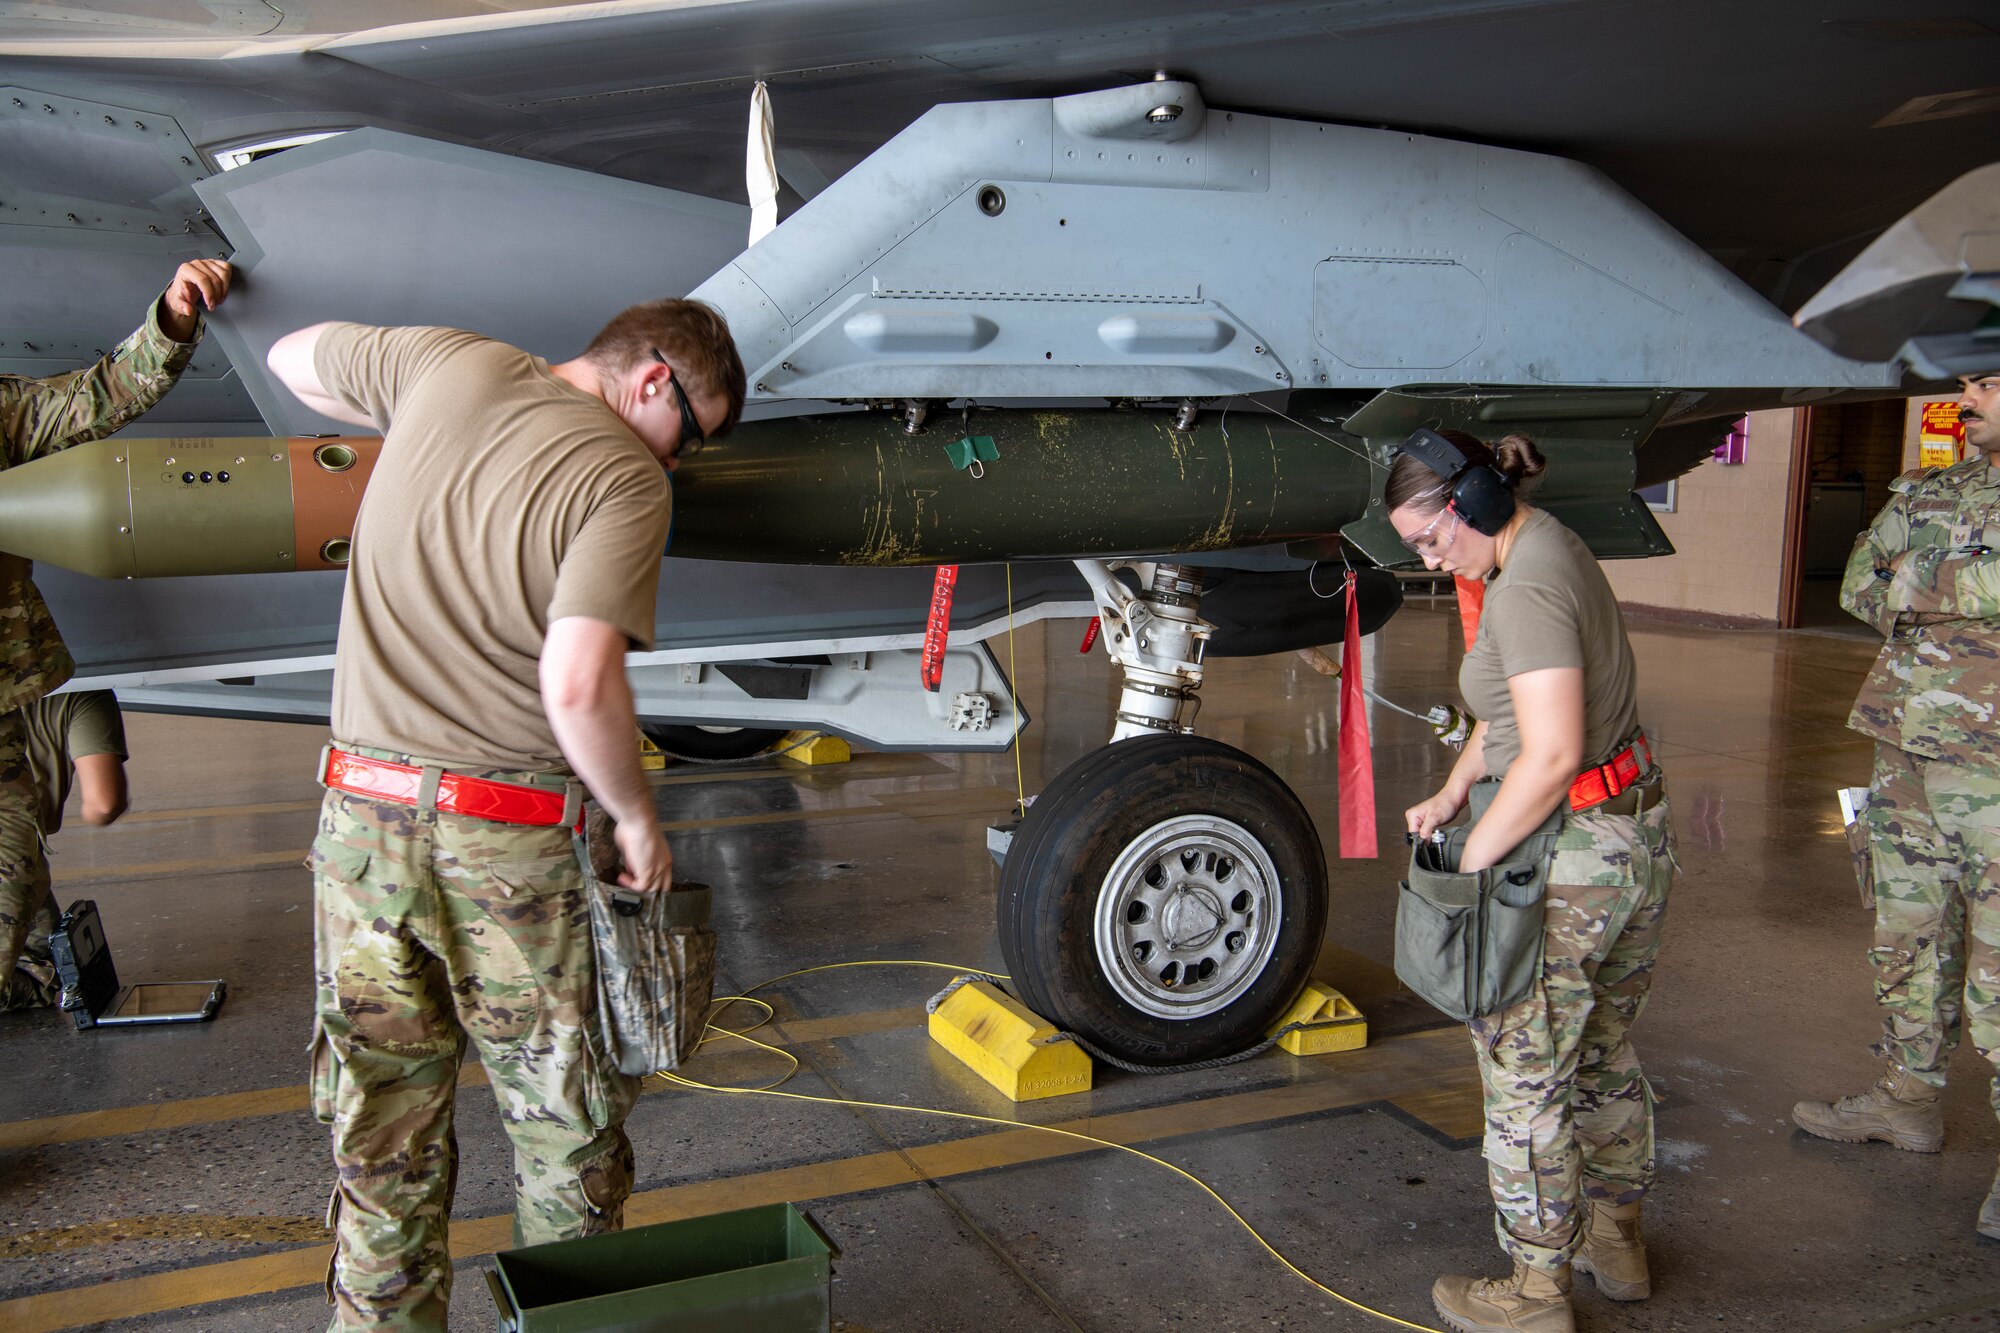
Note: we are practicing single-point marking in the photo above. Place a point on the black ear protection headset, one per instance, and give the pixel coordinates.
(1480, 493)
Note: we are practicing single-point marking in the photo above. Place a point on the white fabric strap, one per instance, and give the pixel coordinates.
(760, 166)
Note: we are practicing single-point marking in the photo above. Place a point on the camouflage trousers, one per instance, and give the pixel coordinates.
(1934, 840)
(433, 928)
(27, 907)
(1568, 1111)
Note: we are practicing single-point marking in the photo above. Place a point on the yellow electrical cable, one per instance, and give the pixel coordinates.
(771, 1090)
(1020, 786)
(716, 1033)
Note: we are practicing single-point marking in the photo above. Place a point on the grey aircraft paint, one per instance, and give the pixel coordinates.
(1132, 243)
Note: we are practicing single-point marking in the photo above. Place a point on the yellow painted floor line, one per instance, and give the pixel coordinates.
(1401, 1067)
(189, 1111)
(163, 1226)
(1446, 1110)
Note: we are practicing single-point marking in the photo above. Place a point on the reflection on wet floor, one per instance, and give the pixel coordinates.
(172, 1178)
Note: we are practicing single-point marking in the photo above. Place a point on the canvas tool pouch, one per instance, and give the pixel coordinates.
(655, 959)
(1472, 944)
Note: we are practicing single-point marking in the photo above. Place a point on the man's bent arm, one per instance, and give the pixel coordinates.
(41, 416)
(1878, 553)
(589, 704)
(291, 360)
(100, 784)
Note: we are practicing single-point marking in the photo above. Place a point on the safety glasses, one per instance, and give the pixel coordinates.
(1426, 542)
(693, 437)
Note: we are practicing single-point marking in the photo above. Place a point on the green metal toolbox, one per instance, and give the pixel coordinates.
(756, 1270)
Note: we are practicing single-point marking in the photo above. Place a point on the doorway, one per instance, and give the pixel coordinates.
(1844, 455)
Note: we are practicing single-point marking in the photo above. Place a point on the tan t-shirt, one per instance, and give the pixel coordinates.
(1551, 607)
(61, 729)
(504, 499)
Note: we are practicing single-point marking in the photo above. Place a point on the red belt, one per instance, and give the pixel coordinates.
(483, 798)
(1594, 786)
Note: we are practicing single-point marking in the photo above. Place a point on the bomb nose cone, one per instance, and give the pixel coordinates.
(146, 508)
(71, 509)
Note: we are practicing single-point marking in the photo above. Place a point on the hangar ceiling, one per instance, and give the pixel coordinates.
(1780, 136)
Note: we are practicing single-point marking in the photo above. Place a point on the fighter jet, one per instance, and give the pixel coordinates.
(1137, 298)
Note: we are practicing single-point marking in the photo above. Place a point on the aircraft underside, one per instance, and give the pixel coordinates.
(1190, 340)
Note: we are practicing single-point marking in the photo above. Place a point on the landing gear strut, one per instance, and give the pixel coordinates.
(1157, 638)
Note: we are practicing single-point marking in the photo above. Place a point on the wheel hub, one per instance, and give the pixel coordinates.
(1191, 919)
(1187, 917)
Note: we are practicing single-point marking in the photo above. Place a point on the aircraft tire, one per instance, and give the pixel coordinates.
(711, 743)
(1165, 899)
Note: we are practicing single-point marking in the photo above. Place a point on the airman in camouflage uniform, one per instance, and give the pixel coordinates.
(1569, 1115)
(434, 927)
(38, 417)
(506, 557)
(1927, 575)
(1564, 1177)
(77, 738)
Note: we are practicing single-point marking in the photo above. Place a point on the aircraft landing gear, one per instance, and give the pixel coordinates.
(1165, 896)
(1157, 638)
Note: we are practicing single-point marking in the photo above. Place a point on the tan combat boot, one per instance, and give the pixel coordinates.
(1530, 1301)
(1901, 1109)
(1613, 1251)
(1989, 1213)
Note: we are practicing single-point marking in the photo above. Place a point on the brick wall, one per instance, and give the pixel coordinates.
(1728, 531)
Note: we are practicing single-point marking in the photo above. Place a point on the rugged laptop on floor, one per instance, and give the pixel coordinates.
(91, 994)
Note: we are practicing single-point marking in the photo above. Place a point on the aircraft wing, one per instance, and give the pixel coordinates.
(1481, 212)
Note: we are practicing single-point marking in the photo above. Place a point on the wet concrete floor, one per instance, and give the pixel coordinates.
(172, 1178)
